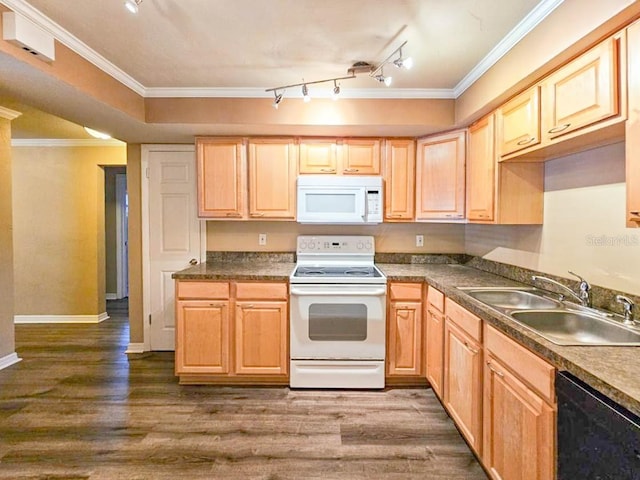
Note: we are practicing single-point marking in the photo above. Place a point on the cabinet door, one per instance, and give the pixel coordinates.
(272, 179)
(463, 382)
(633, 127)
(361, 157)
(434, 349)
(583, 92)
(222, 178)
(519, 435)
(404, 344)
(481, 171)
(318, 156)
(261, 338)
(202, 336)
(440, 177)
(399, 197)
(518, 122)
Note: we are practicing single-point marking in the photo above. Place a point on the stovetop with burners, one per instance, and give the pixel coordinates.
(336, 259)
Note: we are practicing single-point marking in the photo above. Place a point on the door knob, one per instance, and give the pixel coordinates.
(193, 261)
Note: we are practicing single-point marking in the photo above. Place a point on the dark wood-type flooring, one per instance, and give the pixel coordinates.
(77, 407)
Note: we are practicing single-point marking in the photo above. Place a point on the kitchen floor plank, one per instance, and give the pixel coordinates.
(77, 407)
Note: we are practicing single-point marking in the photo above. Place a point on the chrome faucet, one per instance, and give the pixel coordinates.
(583, 289)
(628, 307)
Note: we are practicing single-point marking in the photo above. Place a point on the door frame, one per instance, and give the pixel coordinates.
(122, 267)
(146, 149)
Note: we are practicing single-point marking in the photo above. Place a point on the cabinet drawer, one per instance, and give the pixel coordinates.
(405, 291)
(464, 319)
(259, 291)
(435, 298)
(539, 374)
(203, 289)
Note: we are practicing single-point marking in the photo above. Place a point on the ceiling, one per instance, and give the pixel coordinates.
(242, 47)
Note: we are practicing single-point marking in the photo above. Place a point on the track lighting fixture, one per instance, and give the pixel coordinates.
(336, 90)
(401, 62)
(132, 5)
(305, 93)
(375, 72)
(277, 100)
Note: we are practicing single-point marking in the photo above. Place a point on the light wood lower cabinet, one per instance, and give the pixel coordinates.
(463, 371)
(434, 340)
(404, 334)
(231, 332)
(519, 411)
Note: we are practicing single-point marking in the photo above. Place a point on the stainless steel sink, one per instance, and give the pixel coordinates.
(570, 327)
(512, 299)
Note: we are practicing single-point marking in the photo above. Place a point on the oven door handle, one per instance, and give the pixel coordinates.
(342, 291)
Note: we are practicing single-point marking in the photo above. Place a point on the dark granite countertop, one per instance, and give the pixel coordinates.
(611, 370)
(256, 270)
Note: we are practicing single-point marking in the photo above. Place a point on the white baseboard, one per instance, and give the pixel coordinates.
(135, 348)
(111, 296)
(9, 360)
(22, 319)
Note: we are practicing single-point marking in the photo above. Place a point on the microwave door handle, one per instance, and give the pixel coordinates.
(363, 205)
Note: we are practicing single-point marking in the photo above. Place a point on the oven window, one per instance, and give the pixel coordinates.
(338, 322)
(333, 202)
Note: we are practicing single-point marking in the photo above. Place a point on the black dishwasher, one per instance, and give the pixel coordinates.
(597, 438)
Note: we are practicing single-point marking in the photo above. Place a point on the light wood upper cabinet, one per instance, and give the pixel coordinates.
(404, 339)
(222, 178)
(583, 92)
(481, 171)
(463, 372)
(633, 127)
(519, 411)
(434, 340)
(351, 156)
(261, 338)
(518, 122)
(440, 177)
(361, 156)
(272, 178)
(399, 180)
(318, 156)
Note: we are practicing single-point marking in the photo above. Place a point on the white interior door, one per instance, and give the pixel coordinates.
(175, 235)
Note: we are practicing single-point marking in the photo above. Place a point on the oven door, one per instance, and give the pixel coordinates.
(338, 322)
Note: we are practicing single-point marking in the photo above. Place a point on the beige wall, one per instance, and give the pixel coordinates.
(7, 342)
(281, 236)
(134, 177)
(59, 229)
(584, 225)
(110, 228)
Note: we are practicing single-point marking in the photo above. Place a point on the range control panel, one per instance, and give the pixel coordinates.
(336, 244)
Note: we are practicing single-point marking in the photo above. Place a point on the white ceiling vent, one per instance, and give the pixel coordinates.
(27, 35)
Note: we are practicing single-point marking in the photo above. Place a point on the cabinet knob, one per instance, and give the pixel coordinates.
(526, 140)
(351, 170)
(500, 374)
(328, 170)
(635, 212)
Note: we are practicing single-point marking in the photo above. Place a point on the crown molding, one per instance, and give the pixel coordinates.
(64, 142)
(528, 23)
(70, 41)
(296, 93)
(8, 114)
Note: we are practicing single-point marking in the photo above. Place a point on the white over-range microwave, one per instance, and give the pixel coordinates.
(331, 199)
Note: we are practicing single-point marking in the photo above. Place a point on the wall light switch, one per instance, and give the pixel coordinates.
(419, 240)
(262, 239)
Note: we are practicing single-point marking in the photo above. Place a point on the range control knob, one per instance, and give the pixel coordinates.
(303, 245)
(368, 245)
(360, 245)
(312, 245)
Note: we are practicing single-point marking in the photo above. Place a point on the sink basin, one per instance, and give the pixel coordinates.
(569, 327)
(512, 299)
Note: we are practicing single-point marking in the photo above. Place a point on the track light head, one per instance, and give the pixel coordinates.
(277, 99)
(336, 90)
(132, 5)
(382, 79)
(400, 62)
(305, 93)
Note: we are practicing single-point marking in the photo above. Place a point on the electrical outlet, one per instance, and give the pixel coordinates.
(262, 239)
(419, 240)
